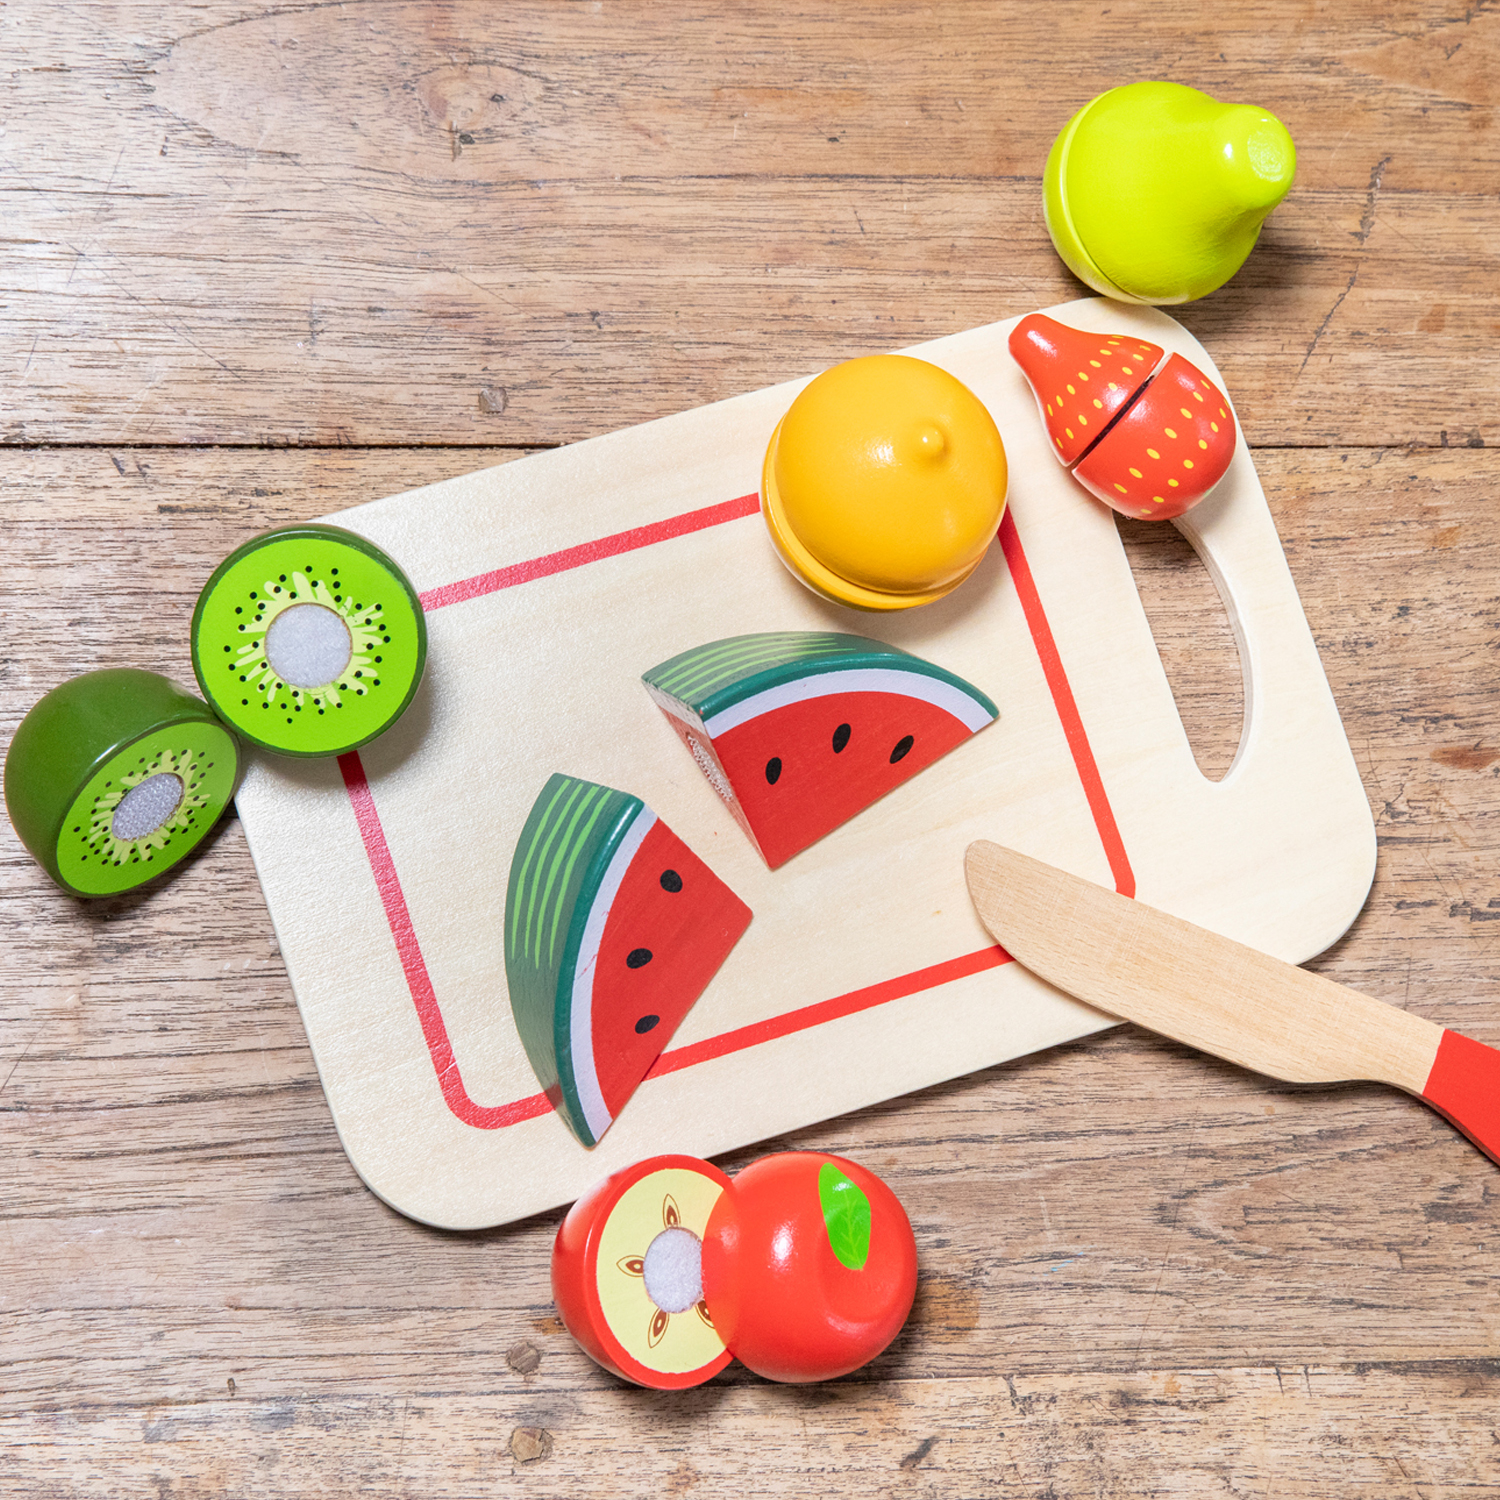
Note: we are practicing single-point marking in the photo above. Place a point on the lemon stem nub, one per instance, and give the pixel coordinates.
(932, 442)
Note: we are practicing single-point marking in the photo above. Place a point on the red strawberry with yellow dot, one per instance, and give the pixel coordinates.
(1081, 380)
(1149, 438)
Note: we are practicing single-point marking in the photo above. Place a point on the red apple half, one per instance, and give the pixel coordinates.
(809, 1266)
(627, 1278)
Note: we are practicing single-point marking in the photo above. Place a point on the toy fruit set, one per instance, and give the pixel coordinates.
(803, 1267)
(307, 640)
(882, 488)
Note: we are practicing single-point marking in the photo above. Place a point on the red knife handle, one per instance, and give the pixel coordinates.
(1464, 1086)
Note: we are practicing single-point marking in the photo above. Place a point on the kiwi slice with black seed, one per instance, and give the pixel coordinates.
(309, 640)
(116, 775)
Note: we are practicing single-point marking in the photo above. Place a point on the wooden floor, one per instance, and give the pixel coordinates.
(261, 263)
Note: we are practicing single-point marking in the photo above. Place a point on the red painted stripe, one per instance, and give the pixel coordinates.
(828, 1010)
(1067, 709)
(418, 981)
(398, 916)
(576, 557)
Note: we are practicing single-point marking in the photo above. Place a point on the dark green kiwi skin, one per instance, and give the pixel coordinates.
(65, 738)
(322, 530)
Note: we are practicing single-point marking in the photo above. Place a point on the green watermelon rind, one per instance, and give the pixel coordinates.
(708, 679)
(545, 930)
(573, 1016)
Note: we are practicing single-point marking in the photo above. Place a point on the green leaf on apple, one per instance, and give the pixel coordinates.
(846, 1216)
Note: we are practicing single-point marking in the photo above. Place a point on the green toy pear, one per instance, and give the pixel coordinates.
(1156, 193)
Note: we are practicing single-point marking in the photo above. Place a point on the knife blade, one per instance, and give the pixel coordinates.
(1219, 996)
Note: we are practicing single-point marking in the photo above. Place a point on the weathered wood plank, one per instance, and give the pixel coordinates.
(1305, 1433)
(1321, 340)
(959, 89)
(269, 228)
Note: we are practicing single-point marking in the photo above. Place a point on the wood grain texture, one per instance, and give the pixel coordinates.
(1143, 1272)
(275, 202)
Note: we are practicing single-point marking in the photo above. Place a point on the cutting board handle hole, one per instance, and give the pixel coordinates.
(1194, 639)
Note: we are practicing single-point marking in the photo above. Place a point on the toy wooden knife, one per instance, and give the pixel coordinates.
(1219, 996)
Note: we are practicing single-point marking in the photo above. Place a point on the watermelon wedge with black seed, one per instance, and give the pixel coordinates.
(613, 928)
(800, 730)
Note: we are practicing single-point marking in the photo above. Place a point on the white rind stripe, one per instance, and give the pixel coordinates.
(967, 710)
(581, 997)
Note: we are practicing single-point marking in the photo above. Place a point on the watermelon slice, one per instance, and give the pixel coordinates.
(613, 928)
(799, 730)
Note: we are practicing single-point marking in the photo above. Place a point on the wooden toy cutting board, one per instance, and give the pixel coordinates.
(553, 582)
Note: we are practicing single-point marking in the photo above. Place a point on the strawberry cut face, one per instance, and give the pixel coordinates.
(1147, 437)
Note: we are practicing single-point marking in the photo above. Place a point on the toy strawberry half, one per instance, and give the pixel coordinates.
(1148, 438)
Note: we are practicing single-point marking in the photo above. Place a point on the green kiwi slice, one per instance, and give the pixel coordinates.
(116, 775)
(309, 640)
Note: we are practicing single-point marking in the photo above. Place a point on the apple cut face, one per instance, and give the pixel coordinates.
(627, 1273)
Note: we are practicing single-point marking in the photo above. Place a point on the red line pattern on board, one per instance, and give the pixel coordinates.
(828, 1010)
(576, 557)
(418, 981)
(398, 916)
(1067, 709)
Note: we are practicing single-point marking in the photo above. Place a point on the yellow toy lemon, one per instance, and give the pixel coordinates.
(884, 483)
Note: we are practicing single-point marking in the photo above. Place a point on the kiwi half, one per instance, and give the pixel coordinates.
(116, 775)
(309, 640)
